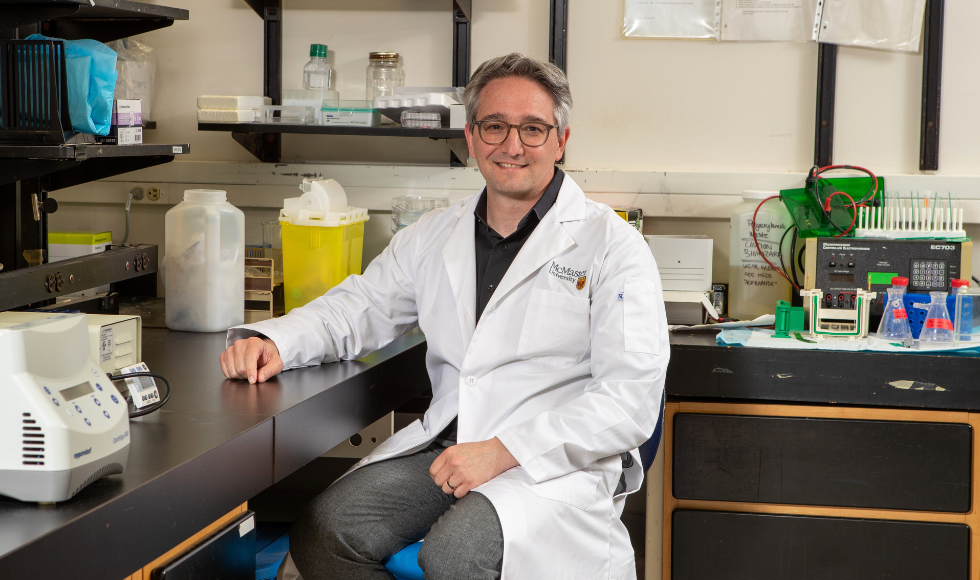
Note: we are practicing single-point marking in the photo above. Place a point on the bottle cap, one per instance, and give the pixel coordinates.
(900, 281)
(382, 56)
(960, 283)
(318, 50)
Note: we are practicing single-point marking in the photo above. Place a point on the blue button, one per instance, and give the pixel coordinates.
(46, 390)
(106, 413)
(77, 408)
(97, 401)
(98, 386)
(87, 422)
(114, 399)
(55, 401)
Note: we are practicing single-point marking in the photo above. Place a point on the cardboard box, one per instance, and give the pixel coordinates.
(127, 124)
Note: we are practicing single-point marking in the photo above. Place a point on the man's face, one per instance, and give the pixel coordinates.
(512, 168)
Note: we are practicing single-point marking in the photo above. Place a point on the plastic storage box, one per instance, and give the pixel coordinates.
(322, 241)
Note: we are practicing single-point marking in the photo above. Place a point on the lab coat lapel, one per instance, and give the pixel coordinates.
(459, 256)
(547, 240)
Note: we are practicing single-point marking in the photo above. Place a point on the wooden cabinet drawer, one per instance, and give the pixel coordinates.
(735, 546)
(903, 465)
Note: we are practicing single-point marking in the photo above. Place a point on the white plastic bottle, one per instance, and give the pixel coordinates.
(204, 266)
(753, 287)
(317, 74)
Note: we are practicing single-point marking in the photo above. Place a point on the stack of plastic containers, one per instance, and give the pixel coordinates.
(322, 241)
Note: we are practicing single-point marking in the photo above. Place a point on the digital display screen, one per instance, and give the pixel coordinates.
(72, 393)
(842, 279)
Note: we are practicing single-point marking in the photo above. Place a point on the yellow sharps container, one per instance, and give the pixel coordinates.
(322, 241)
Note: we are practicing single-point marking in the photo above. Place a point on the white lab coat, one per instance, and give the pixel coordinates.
(566, 367)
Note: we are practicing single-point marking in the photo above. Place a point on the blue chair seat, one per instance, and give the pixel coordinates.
(404, 565)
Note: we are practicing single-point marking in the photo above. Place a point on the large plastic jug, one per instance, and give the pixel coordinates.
(204, 266)
(754, 288)
(322, 241)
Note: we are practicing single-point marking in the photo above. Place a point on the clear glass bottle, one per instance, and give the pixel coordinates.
(937, 327)
(384, 73)
(895, 321)
(317, 74)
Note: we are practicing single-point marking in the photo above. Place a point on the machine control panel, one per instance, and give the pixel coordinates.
(839, 266)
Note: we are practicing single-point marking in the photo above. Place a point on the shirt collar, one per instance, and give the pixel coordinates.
(540, 208)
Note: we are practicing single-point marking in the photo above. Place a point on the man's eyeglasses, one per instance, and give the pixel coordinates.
(531, 134)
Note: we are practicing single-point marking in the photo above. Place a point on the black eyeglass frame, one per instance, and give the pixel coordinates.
(479, 127)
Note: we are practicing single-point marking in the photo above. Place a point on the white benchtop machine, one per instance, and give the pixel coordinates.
(63, 424)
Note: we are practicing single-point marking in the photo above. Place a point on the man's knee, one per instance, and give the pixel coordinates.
(466, 542)
(326, 529)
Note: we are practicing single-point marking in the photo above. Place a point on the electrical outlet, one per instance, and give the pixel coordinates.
(153, 194)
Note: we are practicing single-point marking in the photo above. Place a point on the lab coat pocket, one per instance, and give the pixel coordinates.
(577, 489)
(556, 329)
(641, 324)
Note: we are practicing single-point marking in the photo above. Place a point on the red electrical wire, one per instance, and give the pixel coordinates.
(759, 248)
(873, 176)
(853, 206)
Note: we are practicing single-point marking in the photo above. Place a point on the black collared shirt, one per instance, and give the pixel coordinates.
(495, 254)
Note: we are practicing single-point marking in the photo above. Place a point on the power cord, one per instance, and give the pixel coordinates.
(153, 407)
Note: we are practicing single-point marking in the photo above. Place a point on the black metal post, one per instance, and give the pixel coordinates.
(823, 147)
(932, 71)
(558, 35)
(461, 43)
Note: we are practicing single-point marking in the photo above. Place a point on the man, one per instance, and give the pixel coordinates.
(547, 347)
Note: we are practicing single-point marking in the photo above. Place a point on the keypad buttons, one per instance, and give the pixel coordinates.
(114, 399)
(97, 402)
(98, 386)
(87, 422)
(55, 401)
(77, 408)
(106, 413)
(46, 390)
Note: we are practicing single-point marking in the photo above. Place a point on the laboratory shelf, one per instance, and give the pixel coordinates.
(384, 131)
(68, 165)
(102, 20)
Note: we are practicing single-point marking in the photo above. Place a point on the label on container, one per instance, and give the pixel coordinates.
(939, 323)
(143, 389)
(900, 313)
(105, 344)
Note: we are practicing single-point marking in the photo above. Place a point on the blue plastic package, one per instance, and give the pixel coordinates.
(91, 70)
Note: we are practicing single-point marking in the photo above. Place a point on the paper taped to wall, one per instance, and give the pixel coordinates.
(767, 20)
(672, 18)
(882, 24)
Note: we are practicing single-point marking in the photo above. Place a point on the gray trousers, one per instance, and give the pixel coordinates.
(377, 510)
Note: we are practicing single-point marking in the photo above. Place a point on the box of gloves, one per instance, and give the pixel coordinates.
(127, 124)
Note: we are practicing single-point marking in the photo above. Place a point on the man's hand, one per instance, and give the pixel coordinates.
(256, 359)
(462, 467)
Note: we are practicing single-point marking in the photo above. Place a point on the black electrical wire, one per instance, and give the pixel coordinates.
(799, 260)
(153, 407)
(975, 279)
(782, 263)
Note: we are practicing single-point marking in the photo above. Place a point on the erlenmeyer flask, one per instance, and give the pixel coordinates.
(895, 321)
(938, 327)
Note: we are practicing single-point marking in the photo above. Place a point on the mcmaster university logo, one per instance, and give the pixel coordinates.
(568, 274)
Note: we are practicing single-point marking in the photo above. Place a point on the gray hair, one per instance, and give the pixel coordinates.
(551, 78)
